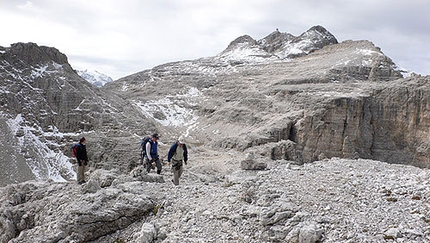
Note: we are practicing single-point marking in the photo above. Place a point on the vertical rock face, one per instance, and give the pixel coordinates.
(42, 86)
(390, 125)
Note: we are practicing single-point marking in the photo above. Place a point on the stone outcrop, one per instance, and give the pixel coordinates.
(285, 45)
(66, 212)
(252, 163)
(390, 124)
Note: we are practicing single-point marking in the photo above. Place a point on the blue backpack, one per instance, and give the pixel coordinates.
(143, 143)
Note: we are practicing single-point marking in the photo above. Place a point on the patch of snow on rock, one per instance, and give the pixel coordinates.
(44, 162)
(172, 110)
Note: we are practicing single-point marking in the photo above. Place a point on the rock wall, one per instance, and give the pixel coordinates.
(66, 212)
(391, 125)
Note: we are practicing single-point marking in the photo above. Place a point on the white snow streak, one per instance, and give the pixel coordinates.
(43, 161)
(172, 110)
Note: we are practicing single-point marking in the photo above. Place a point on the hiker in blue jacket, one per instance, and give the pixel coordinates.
(178, 154)
(152, 157)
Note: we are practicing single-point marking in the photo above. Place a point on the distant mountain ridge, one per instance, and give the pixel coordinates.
(95, 77)
(278, 46)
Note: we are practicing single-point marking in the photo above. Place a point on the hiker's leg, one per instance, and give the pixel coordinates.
(158, 164)
(81, 173)
(180, 171)
(148, 165)
(175, 176)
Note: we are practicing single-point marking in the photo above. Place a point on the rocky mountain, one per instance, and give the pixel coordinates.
(277, 46)
(94, 77)
(254, 116)
(45, 106)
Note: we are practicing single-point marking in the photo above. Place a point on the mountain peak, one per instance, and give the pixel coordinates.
(242, 40)
(318, 28)
(282, 45)
(33, 54)
(319, 34)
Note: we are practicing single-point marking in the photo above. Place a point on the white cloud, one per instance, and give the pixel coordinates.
(123, 37)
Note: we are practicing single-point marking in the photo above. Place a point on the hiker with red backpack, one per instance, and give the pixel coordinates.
(80, 152)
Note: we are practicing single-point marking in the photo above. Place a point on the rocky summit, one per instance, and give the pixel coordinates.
(291, 139)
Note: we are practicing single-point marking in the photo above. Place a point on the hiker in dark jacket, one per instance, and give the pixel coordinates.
(82, 158)
(178, 154)
(152, 157)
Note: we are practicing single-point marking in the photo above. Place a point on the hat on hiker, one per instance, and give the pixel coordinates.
(155, 135)
(181, 140)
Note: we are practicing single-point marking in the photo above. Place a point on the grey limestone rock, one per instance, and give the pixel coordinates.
(251, 163)
(82, 212)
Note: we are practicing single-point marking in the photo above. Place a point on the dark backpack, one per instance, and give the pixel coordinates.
(74, 149)
(143, 143)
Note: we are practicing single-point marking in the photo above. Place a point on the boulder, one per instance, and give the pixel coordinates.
(250, 163)
(82, 212)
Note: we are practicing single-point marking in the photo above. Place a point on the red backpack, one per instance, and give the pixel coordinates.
(74, 149)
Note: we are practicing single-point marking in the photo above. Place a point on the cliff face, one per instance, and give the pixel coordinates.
(40, 84)
(389, 125)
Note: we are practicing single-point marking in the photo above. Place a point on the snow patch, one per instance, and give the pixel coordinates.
(367, 52)
(172, 110)
(246, 53)
(44, 162)
(124, 87)
(38, 72)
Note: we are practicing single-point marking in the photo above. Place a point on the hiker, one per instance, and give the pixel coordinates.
(82, 158)
(152, 158)
(178, 154)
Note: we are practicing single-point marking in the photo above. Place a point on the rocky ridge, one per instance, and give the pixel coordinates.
(277, 46)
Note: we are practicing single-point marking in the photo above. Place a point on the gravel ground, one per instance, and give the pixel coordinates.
(336, 200)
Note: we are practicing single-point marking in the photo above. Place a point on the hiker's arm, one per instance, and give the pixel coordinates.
(185, 154)
(148, 150)
(171, 152)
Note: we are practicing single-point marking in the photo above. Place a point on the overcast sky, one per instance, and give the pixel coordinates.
(123, 37)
